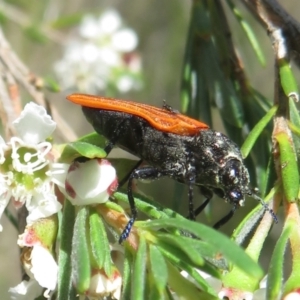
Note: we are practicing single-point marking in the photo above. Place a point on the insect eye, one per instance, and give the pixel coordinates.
(236, 196)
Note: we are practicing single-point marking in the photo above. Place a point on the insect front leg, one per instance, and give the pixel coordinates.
(123, 180)
(208, 194)
(141, 173)
(227, 217)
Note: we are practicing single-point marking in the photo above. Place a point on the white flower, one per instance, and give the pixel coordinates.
(97, 58)
(90, 182)
(38, 240)
(34, 124)
(292, 296)
(101, 285)
(26, 168)
(44, 267)
(26, 290)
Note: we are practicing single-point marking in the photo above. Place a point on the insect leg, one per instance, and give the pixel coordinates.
(123, 180)
(226, 218)
(142, 173)
(200, 208)
(191, 202)
(208, 194)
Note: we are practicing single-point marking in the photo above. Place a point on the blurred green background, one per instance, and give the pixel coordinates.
(161, 27)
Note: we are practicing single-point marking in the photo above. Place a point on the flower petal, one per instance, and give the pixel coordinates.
(109, 22)
(44, 267)
(34, 124)
(125, 40)
(90, 182)
(4, 199)
(25, 290)
(42, 206)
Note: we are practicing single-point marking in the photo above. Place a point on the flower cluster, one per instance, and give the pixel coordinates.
(26, 166)
(101, 57)
(28, 176)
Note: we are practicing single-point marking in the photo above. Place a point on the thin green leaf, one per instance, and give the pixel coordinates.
(114, 206)
(94, 139)
(295, 127)
(65, 288)
(228, 248)
(101, 257)
(81, 267)
(183, 260)
(159, 269)
(67, 21)
(236, 277)
(201, 247)
(256, 131)
(250, 221)
(184, 288)
(127, 275)
(251, 35)
(152, 291)
(173, 257)
(139, 271)
(51, 84)
(287, 80)
(289, 167)
(185, 245)
(147, 206)
(35, 34)
(78, 149)
(3, 18)
(293, 282)
(275, 273)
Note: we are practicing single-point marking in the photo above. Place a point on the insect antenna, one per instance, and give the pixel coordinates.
(263, 203)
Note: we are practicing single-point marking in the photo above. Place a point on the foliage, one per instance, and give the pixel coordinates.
(165, 255)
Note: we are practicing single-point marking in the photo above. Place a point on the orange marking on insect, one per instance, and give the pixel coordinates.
(160, 118)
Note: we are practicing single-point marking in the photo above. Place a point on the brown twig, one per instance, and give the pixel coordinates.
(273, 17)
(16, 73)
(284, 32)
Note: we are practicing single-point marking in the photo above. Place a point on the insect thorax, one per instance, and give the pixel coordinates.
(219, 166)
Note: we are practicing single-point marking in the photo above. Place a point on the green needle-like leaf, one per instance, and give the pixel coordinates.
(139, 271)
(81, 265)
(226, 247)
(256, 131)
(159, 270)
(287, 79)
(127, 274)
(251, 35)
(65, 288)
(275, 273)
(289, 167)
(99, 243)
(184, 288)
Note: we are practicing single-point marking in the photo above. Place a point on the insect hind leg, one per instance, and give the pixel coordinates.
(141, 173)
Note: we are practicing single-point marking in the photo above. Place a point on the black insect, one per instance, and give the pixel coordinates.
(172, 145)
